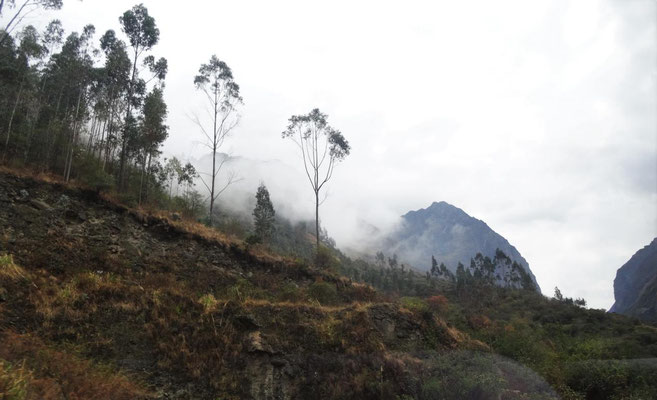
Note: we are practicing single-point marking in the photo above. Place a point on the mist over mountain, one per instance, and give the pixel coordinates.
(441, 230)
(450, 235)
(635, 286)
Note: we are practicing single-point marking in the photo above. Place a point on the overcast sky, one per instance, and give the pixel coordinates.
(538, 117)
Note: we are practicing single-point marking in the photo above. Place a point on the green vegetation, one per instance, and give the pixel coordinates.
(89, 289)
(263, 216)
(204, 320)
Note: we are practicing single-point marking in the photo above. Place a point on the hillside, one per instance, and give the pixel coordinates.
(163, 312)
(635, 286)
(101, 301)
(450, 235)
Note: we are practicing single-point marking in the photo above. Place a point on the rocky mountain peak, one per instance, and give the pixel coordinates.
(450, 235)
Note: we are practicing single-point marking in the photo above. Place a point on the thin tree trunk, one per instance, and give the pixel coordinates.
(141, 180)
(11, 118)
(317, 219)
(49, 134)
(7, 30)
(36, 118)
(73, 139)
(30, 135)
(214, 155)
(92, 133)
(148, 169)
(102, 141)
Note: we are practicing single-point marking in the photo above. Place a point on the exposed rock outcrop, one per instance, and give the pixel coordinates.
(635, 286)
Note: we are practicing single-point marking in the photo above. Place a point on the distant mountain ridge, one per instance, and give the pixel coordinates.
(450, 235)
(635, 286)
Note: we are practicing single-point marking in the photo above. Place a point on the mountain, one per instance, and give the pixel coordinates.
(450, 235)
(635, 286)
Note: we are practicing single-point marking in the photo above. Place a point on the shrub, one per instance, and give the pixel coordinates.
(242, 290)
(325, 259)
(431, 390)
(438, 304)
(324, 292)
(291, 292)
(92, 175)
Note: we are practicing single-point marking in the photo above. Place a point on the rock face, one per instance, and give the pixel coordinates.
(635, 286)
(450, 235)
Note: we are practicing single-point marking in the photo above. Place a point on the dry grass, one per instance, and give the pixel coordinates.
(9, 270)
(31, 370)
(14, 381)
(24, 172)
(312, 305)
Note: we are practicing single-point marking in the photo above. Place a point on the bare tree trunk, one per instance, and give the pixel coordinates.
(49, 134)
(214, 156)
(30, 135)
(317, 219)
(11, 118)
(141, 180)
(102, 141)
(148, 169)
(76, 124)
(108, 149)
(92, 133)
(214, 163)
(5, 34)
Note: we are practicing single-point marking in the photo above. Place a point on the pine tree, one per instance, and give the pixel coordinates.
(263, 214)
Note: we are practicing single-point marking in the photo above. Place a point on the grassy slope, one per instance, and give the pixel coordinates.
(100, 301)
(187, 314)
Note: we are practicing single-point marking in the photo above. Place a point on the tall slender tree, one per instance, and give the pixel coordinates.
(154, 130)
(322, 147)
(28, 49)
(143, 34)
(215, 80)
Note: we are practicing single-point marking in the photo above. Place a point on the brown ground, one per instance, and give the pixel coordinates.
(99, 301)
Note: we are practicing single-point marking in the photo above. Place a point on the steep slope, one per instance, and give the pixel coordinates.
(449, 234)
(185, 314)
(635, 286)
(104, 302)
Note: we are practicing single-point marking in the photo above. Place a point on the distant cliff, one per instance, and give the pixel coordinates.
(635, 286)
(450, 235)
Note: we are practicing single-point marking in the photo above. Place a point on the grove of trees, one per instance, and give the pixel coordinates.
(91, 107)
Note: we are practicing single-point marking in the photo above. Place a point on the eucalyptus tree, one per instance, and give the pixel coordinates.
(116, 80)
(82, 66)
(28, 49)
(322, 147)
(143, 34)
(154, 131)
(215, 80)
(169, 172)
(21, 9)
(51, 38)
(69, 75)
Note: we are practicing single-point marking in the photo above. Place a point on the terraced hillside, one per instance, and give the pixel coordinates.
(124, 305)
